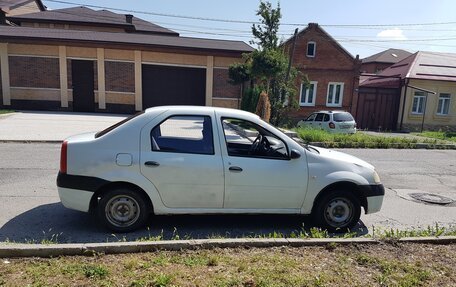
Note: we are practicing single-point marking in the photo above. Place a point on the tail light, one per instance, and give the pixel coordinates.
(63, 157)
(332, 125)
(354, 125)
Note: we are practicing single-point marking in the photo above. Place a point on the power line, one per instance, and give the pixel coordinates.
(251, 22)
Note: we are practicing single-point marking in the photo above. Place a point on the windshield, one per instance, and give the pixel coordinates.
(114, 126)
(343, 117)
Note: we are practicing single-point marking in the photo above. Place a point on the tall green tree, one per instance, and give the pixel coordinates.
(266, 33)
(267, 66)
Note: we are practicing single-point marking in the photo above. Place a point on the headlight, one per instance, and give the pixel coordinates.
(376, 177)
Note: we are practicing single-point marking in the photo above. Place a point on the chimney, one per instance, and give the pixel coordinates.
(129, 18)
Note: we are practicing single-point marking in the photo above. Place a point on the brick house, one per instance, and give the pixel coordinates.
(332, 71)
(79, 59)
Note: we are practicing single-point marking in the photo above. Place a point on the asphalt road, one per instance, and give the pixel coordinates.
(31, 211)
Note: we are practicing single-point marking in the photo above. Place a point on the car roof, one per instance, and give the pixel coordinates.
(197, 109)
(331, 112)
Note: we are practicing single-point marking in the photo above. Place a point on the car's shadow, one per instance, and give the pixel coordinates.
(55, 223)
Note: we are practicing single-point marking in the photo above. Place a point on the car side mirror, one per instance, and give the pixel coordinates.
(294, 154)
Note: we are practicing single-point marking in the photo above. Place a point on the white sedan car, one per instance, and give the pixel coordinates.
(330, 121)
(205, 160)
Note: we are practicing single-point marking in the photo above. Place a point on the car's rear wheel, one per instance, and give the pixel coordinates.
(122, 210)
(337, 211)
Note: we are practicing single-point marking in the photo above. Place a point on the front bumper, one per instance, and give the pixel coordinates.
(374, 194)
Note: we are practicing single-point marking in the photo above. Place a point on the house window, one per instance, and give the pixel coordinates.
(444, 104)
(418, 103)
(311, 46)
(335, 94)
(308, 94)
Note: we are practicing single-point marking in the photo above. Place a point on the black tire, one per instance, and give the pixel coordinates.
(122, 210)
(337, 211)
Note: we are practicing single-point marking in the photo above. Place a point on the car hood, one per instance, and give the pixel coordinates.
(336, 155)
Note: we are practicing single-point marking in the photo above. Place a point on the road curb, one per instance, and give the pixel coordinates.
(31, 141)
(11, 250)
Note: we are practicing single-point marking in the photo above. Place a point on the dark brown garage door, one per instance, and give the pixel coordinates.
(378, 109)
(167, 85)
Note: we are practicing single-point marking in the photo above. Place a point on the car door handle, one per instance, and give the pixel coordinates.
(151, 163)
(235, 168)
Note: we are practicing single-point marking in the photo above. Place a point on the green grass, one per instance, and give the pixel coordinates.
(448, 136)
(386, 264)
(359, 140)
(6, 111)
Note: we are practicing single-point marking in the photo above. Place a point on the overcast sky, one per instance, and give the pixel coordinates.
(376, 25)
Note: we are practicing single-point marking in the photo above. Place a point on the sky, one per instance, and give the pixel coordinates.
(363, 27)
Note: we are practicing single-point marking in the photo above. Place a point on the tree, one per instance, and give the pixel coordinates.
(266, 33)
(267, 67)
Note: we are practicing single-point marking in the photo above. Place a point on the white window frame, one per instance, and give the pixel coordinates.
(445, 98)
(421, 100)
(341, 96)
(306, 102)
(314, 49)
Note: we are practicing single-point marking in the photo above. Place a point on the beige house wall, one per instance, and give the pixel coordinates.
(35, 94)
(431, 116)
(65, 94)
(81, 52)
(33, 50)
(225, 62)
(226, 103)
(122, 55)
(120, 98)
(174, 59)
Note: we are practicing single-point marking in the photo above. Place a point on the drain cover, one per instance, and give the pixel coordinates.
(431, 198)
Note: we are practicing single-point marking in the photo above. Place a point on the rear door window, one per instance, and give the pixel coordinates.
(319, 117)
(183, 134)
(326, 118)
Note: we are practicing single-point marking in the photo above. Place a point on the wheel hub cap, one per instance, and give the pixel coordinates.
(122, 211)
(338, 212)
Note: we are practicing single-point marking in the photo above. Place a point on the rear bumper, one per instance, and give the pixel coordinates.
(374, 196)
(75, 198)
(76, 191)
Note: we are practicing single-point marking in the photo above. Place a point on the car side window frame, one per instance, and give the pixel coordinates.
(153, 141)
(287, 157)
(311, 118)
(317, 119)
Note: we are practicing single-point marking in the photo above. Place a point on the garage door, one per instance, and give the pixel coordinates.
(168, 85)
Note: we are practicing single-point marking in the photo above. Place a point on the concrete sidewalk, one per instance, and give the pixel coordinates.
(52, 126)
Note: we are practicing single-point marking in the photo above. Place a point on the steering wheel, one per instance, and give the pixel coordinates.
(255, 144)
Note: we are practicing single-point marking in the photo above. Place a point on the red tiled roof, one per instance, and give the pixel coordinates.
(156, 40)
(84, 16)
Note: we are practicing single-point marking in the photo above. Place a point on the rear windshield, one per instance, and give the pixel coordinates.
(343, 117)
(114, 126)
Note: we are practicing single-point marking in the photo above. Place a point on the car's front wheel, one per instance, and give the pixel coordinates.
(122, 210)
(337, 211)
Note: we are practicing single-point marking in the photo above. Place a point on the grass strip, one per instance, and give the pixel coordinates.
(360, 140)
(385, 264)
